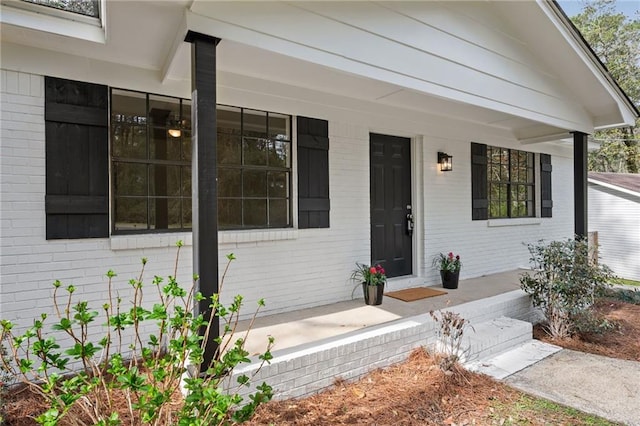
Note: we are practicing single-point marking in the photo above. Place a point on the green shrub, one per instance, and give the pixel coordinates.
(564, 283)
(625, 295)
(90, 375)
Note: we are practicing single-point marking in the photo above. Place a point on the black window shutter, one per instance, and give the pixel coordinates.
(313, 173)
(479, 184)
(77, 159)
(545, 185)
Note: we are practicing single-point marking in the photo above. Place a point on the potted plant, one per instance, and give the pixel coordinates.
(373, 279)
(449, 266)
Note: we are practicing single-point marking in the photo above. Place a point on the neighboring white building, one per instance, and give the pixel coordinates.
(614, 213)
(330, 120)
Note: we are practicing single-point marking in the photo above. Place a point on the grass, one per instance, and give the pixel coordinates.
(526, 408)
(629, 282)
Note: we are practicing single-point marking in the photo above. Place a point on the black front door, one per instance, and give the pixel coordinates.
(390, 203)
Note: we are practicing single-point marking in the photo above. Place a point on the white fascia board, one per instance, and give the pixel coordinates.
(614, 187)
(79, 27)
(218, 28)
(628, 113)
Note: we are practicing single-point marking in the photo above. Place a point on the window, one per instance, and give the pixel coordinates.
(254, 169)
(503, 183)
(511, 181)
(81, 7)
(151, 165)
(151, 162)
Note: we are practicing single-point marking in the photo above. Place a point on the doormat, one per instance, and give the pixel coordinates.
(417, 293)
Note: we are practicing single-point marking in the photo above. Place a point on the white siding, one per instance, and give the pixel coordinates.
(615, 216)
(289, 268)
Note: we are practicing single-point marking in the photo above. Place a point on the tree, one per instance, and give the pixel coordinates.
(615, 38)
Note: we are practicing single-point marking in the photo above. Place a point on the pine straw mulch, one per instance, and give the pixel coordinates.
(622, 341)
(415, 392)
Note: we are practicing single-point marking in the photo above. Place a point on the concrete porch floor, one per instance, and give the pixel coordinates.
(304, 326)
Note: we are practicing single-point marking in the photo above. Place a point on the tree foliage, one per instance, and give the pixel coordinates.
(615, 38)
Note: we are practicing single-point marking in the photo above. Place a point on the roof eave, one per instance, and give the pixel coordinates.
(591, 55)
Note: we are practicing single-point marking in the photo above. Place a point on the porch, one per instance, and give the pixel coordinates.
(315, 346)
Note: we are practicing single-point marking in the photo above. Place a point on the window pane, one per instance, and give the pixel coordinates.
(186, 146)
(131, 213)
(165, 180)
(279, 153)
(254, 183)
(81, 7)
(128, 140)
(278, 184)
(128, 124)
(279, 126)
(165, 213)
(164, 111)
(229, 182)
(229, 149)
(254, 124)
(128, 107)
(186, 182)
(255, 151)
(186, 114)
(229, 213)
(278, 213)
(163, 146)
(229, 120)
(255, 213)
(130, 179)
(187, 207)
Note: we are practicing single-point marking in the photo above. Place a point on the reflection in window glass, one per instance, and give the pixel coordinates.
(254, 154)
(511, 183)
(81, 7)
(151, 163)
(151, 152)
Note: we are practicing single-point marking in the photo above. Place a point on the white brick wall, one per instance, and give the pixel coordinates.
(290, 268)
(298, 372)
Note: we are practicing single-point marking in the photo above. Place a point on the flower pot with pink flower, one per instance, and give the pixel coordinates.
(373, 279)
(449, 265)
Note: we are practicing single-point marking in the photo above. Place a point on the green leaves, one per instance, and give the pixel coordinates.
(162, 340)
(565, 282)
(615, 38)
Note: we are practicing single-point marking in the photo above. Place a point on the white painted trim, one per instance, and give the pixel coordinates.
(520, 221)
(53, 21)
(417, 205)
(614, 187)
(159, 240)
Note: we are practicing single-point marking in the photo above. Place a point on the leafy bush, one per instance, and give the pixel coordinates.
(625, 295)
(83, 382)
(564, 283)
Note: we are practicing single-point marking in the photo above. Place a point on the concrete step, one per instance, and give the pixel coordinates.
(514, 360)
(495, 336)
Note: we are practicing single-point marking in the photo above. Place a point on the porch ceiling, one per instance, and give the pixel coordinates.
(303, 44)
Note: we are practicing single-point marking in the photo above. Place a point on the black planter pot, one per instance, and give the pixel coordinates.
(450, 279)
(373, 294)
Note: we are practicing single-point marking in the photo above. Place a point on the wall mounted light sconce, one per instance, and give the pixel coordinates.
(445, 161)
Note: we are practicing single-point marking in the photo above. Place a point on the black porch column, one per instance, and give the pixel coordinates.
(203, 178)
(580, 184)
